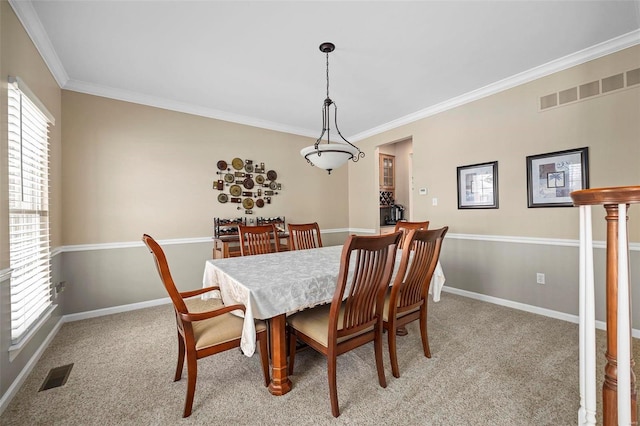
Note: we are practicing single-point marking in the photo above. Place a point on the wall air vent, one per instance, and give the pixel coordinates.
(549, 101)
(589, 89)
(593, 89)
(568, 95)
(633, 77)
(614, 82)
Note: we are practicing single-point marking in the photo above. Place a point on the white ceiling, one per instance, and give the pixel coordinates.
(258, 62)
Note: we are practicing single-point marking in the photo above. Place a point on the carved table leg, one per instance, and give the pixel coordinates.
(280, 383)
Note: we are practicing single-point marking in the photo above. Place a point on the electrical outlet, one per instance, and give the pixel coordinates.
(540, 278)
(58, 288)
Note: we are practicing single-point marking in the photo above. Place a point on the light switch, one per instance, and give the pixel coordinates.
(423, 191)
(434, 201)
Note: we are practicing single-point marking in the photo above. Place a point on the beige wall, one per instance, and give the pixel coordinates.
(19, 57)
(507, 127)
(131, 169)
(121, 169)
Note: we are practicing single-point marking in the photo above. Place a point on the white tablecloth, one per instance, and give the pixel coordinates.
(280, 283)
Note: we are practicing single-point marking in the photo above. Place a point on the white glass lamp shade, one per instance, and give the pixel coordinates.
(332, 155)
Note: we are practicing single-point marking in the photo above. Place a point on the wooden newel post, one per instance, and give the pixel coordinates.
(619, 393)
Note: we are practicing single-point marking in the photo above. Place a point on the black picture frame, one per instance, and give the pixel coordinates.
(551, 177)
(478, 186)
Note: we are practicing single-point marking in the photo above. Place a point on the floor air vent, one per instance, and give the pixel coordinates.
(56, 377)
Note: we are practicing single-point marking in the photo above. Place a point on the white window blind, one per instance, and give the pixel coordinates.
(28, 170)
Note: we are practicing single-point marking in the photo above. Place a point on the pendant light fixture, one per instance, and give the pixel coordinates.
(330, 155)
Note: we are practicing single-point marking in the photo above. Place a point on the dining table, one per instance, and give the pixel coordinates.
(273, 285)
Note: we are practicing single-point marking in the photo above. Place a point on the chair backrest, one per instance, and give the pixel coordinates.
(413, 278)
(304, 236)
(259, 239)
(405, 227)
(367, 263)
(165, 275)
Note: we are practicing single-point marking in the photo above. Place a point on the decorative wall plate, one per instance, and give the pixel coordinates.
(247, 203)
(242, 176)
(237, 163)
(235, 190)
(248, 183)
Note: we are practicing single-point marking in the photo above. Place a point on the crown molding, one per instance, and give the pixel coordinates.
(32, 25)
(30, 21)
(594, 52)
(29, 18)
(158, 102)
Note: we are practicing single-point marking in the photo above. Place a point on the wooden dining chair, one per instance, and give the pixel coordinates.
(407, 300)
(204, 327)
(304, 236)
(406, 226)
(354, 318)
(259, 239)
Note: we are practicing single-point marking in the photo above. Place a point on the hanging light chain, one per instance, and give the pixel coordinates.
(327, 75)
(326, 114)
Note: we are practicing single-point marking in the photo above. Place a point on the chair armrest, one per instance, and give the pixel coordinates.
(200, 316)
(192, 293)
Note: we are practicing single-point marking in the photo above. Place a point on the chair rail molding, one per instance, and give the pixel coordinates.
(475, 237)
(533, 240)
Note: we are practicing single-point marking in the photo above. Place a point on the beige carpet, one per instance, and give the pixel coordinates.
(490, 365)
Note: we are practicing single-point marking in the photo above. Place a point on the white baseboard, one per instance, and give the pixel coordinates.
(19, 381)
(601, 325)
(115, 310)
(6, 398)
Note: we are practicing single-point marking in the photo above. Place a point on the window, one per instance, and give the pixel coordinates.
(28, 170)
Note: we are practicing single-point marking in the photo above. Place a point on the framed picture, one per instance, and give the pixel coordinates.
(552, 177)
(478, 186)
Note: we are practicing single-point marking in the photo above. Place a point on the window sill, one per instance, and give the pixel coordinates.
(14, 350)
(5, 274)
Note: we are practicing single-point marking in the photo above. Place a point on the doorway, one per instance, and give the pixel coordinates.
(395, 190)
